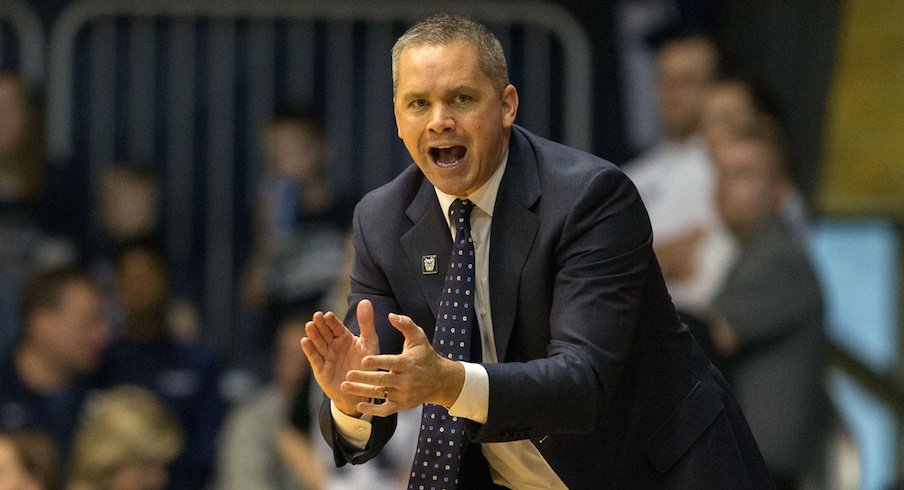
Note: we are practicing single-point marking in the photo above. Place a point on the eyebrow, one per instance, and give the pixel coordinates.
(409, 96)
(413, 95)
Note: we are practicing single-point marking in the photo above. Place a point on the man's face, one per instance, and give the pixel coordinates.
(129, 208)
(728, 109)
(74, 333)
(453, 121)
(749, 187)
(686, 71)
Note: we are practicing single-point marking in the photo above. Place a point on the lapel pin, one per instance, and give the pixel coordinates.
(429, 264)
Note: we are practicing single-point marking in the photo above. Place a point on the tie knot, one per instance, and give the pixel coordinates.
(460, 212)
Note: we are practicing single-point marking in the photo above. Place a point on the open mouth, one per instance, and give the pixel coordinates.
(447, 156)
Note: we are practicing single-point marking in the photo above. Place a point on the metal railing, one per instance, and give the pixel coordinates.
(28, 35)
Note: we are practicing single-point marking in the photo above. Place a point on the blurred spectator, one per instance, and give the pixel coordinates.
(128, 206)
(260, 449)
(675, 177)
(767, 319)
(185, 375)
(125, 442)
(28, 461)
(300, 221)
(43, 379)
(126, 209)
(732, 107)
(25, 239)
(22, 161)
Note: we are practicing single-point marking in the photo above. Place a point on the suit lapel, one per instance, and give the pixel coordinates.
(512, 235)
(428, 236)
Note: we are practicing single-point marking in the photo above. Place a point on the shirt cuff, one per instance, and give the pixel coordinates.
(354, 431)
(474, 400)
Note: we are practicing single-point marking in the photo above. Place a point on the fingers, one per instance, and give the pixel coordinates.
(415, 338)
(409, 329)
(332, 322)
(316, 332)
(385, 362)
(380, 404)
(323, 329)
(388, 407)
(365, 312)
(311, 352)
(373, 378)
(364, 390)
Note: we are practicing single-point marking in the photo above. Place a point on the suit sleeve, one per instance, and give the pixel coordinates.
(602, 258)
(367, 282)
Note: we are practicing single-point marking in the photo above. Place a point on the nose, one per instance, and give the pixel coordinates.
(440, 119)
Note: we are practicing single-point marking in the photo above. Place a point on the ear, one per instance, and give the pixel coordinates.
(509, 106)
(395, 111)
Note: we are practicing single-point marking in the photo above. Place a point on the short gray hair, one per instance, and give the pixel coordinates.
(443, 29)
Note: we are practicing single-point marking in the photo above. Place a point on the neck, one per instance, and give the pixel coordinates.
(39, 372)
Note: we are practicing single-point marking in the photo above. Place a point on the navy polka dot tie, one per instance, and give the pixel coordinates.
(441, 442)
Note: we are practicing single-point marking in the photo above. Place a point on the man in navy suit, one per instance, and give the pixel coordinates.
(582, 376)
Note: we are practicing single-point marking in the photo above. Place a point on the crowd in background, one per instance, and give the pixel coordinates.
(730, 232)
(105, 381)
(106, 384)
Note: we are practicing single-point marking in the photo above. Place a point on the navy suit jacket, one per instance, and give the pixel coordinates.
(595, 367)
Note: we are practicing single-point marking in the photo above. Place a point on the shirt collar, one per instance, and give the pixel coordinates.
(484, 198)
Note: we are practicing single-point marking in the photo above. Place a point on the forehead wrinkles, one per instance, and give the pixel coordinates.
(445, 62)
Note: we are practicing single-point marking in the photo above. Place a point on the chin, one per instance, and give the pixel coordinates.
(453, 188)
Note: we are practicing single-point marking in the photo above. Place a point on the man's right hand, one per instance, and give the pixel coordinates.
(333, 351)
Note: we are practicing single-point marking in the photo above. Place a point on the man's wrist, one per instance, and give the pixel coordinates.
(349, 411)
(452, 375)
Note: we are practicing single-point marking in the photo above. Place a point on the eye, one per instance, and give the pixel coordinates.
(417, 104)
(463, 99)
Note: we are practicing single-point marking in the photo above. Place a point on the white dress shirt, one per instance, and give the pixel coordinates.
(515, 464)
(677, 181)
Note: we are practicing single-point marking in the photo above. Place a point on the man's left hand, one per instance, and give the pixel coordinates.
(418, 375)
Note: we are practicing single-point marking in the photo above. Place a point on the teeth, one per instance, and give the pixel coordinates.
(447, 155)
